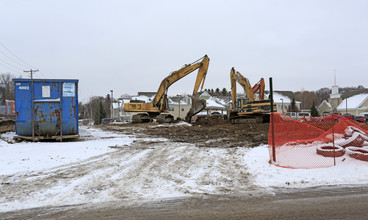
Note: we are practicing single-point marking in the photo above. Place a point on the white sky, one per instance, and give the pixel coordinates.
(130, 46)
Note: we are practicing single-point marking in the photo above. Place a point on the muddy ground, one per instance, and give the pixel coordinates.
(211, 133)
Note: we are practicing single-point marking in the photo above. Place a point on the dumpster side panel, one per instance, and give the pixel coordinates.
(47, 108)
(23, 105)
(70, 108)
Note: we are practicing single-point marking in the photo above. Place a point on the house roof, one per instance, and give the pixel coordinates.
(142, 97)
(353, 102)
(277, 98)
(325, 103)
(214, 103)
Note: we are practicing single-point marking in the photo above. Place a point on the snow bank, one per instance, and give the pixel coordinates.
(350, 171)
(29, 156)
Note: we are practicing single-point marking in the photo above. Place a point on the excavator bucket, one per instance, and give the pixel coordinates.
(164, 118)
(197, 106)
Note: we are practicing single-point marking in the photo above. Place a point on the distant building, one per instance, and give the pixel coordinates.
(179, 106)
(354, 105)
(325, 108)
(283, 103)
(335, 97)
(148, 94)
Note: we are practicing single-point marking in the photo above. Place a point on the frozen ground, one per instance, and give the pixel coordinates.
(108, 166)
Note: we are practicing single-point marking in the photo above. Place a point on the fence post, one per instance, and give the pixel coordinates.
(333, 143)
(272, 123)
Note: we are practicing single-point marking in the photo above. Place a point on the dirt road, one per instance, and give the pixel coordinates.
(309, 203)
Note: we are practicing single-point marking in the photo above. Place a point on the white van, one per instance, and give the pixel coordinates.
(298, 115)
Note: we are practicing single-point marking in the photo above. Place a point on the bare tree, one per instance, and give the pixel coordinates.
(7, 80)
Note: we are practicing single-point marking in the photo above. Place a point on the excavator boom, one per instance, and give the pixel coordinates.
(235, 77)
(259, 86)
(159, 102)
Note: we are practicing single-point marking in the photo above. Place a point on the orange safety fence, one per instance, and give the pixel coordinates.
(316, 142)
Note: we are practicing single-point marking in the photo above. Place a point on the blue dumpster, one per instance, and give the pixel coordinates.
(46, 109)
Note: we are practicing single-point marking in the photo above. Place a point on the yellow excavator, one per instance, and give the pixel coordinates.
(248, 109)
(158, 108)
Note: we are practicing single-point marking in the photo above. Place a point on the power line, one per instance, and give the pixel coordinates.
(15, 55)
(10, 64)
(23, 66)
(10, 68)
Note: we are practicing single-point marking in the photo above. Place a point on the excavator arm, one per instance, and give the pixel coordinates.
(259, 86)
(235, 76)
(202, 65)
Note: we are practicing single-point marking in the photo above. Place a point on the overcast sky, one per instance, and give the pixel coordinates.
(131, 46)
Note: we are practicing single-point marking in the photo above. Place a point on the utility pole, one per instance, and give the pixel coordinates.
(31, 72)
(112, 103)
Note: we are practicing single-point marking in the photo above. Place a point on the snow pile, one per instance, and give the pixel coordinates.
(179, 124)
(29, 156)
(350, 171)
(305, 155)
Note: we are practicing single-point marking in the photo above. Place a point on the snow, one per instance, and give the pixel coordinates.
(267, 175)
(182, 123)
(109, 166)
(144, 98)
(277, 98)
(212, 103)
(47, 100)
(353, 102)
(25, 157)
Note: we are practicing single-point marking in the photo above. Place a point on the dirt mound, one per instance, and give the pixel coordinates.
(209, 133)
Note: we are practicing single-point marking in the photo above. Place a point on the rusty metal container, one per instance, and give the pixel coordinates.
(46, 109)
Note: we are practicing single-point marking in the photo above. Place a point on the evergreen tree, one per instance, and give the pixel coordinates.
(314, 112)
(224, 92)
(293, 107)
(217, 91)
(100, 114)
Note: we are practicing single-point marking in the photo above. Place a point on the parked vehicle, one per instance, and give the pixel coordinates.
(365, 115)
(332, 117)
(298, 115)
(349, 116)
(106, 121)
(360, 119)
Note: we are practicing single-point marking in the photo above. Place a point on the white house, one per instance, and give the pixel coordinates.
(325, 108)
(354, 105)
(283, 102)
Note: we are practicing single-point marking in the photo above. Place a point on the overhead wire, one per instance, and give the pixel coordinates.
(11, 65)
(16, 56)
(10, 68)
(20, 63)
